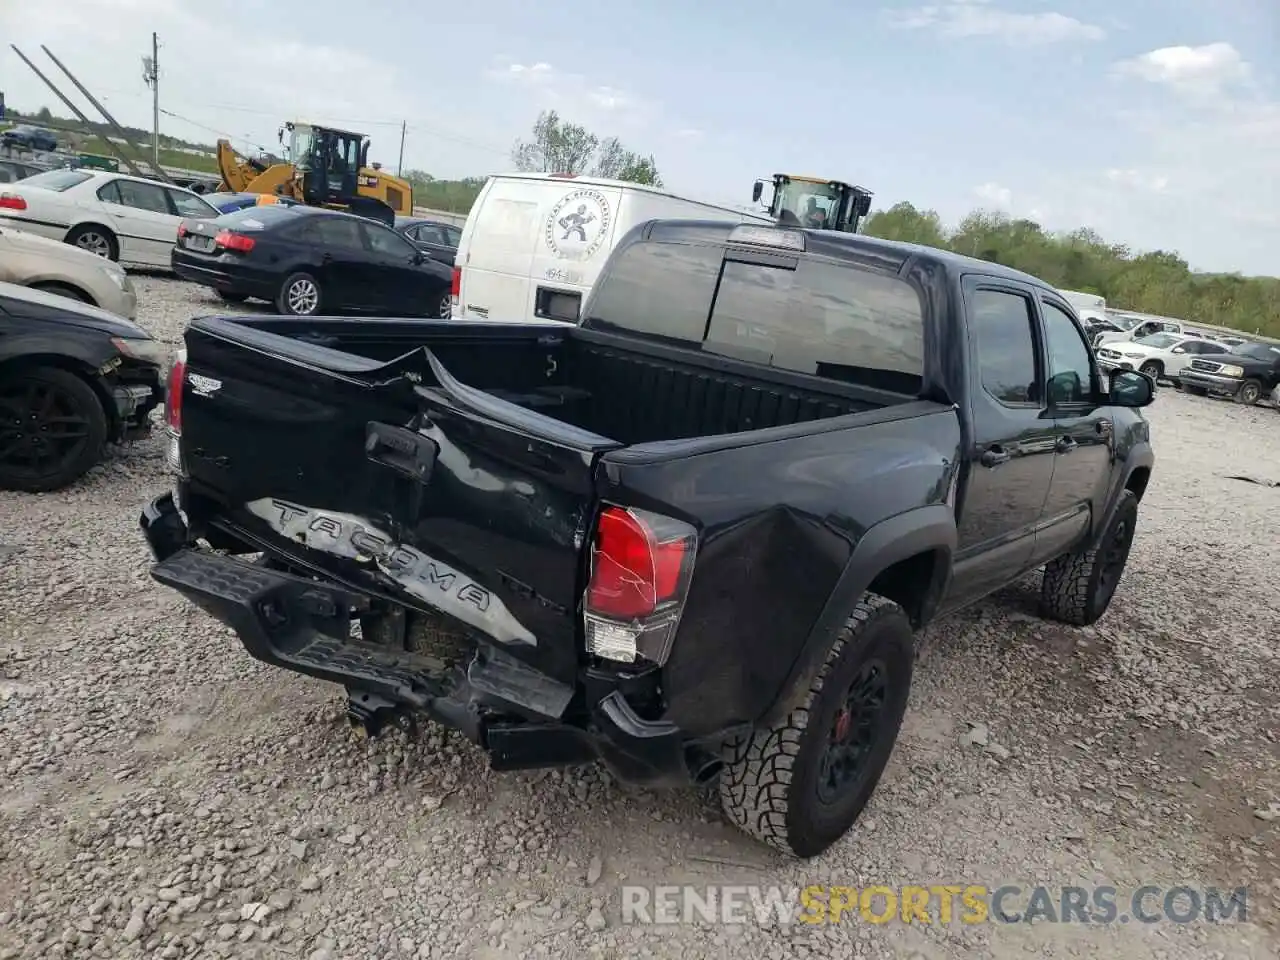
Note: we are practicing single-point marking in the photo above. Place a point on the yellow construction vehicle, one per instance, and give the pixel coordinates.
(816, 202)
(325, 167)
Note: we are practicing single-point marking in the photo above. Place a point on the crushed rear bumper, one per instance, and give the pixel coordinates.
(521, 717)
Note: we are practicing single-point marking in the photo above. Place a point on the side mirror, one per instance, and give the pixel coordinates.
(1129, 388)
(757, 191)
(1179, 349)
(419, 257)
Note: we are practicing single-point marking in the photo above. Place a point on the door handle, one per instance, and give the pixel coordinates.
(407, 453)
(994, 456)
(1065, 444)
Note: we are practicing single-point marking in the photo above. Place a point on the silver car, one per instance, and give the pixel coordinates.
(33, 261)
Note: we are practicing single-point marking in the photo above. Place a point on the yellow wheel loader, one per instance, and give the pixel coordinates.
(815, 202)
(325, 168)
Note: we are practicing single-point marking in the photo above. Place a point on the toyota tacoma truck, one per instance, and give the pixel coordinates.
(691, 536)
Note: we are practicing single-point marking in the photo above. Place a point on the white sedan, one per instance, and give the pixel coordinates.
(1162, 356)
(122, 218)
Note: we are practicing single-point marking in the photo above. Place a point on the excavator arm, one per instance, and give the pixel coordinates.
(241, 174)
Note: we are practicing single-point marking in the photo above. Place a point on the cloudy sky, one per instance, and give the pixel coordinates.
(1157, 122)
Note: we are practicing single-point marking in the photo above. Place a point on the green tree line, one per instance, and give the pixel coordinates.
(1156, 281)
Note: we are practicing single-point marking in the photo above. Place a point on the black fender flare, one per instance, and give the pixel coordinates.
(921, 530)
(1139, 457)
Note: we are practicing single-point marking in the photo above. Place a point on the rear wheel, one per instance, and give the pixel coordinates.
(446, 306)
(299, 295)
(800, 784)
(52, 429)
(94, 239)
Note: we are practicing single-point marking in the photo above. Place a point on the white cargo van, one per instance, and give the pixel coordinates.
(534, 243)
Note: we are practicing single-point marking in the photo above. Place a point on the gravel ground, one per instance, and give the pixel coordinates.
(164, 795)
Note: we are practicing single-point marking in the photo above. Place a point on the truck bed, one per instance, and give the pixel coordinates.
(621, 388)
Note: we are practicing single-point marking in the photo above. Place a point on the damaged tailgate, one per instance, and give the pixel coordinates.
(394, 478)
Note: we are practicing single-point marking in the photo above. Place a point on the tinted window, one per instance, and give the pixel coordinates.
(255, 217)
(109, 192)
(1259, 351)
(658, 289)
(1070, 365)
(189, 205)
(1212, 348)
(824, 319)
(335, 232)
(388, 242)
(57, 180)
(452, 236)
(142, 196)
(428, 233)
(1002, 324)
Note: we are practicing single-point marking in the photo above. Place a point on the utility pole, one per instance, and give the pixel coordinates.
(151, 76)
(400, 163)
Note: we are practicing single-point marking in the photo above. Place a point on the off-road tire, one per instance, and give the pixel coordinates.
(768, 787)
(1250, 392)
(1073, 590)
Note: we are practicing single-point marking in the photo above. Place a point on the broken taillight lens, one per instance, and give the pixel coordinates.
(641, 565)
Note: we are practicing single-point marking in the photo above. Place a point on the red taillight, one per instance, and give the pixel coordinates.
(182, 230)
(635, 570)
(233, 241)
(641, 567)
(173, 393)
(455, 285)
(11, 201)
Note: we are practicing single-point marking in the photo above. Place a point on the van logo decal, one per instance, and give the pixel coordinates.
(578, 224)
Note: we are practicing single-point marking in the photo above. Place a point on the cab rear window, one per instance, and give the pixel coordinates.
(811, 316)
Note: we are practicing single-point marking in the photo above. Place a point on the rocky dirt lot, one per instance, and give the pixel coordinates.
(163, 795)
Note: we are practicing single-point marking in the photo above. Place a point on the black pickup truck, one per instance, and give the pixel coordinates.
(691, 536)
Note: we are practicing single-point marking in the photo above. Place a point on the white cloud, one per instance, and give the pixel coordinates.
(978, 18)
(212, 72)
(1207, 70)
(992, 194)
(1139, 179)
(577, 98)
(689, 133)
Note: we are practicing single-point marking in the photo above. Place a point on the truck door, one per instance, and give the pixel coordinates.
(1082, 447)
(1010, 452)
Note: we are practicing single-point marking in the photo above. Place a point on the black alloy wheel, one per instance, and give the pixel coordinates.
(854, 733)
(52, 429)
